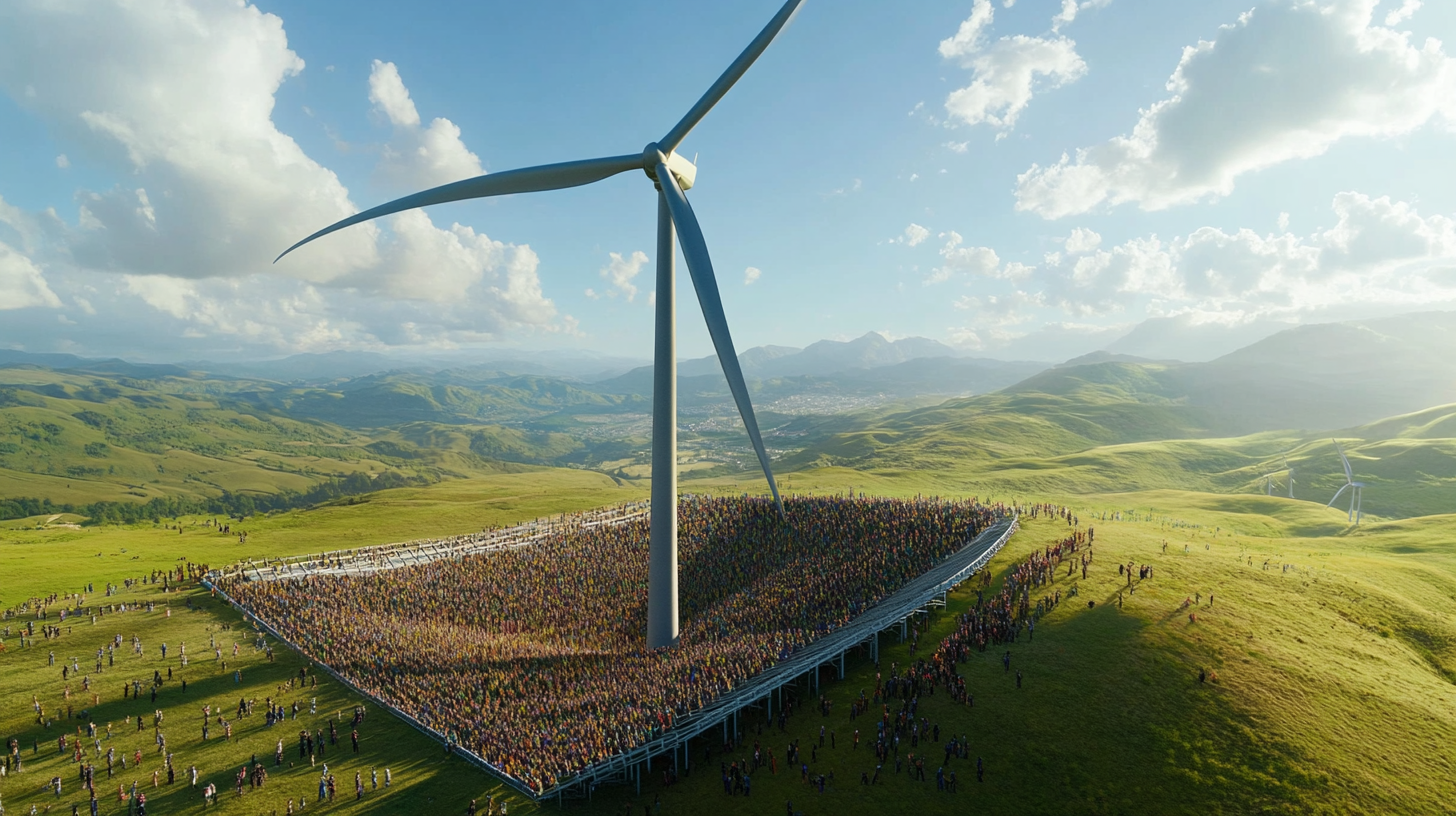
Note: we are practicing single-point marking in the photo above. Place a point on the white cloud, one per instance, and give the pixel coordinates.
(1082, 241)
(1405, 12)
(21, 283)
(957, 147)
(971, 34)
(620, 271)
(390, 96)
(176, 99)
(1378, 251)
(416, 157)
(963, 260)
(914, 235)
(1007, 73)
(1066, 15)
(1069, 11)
(1247, 100)
(63, 162)
(751, 274)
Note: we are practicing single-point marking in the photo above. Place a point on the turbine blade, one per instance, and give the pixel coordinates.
(700, 269)
(735, 72)
(524, 180)
(1349, 475)
(1337, 495)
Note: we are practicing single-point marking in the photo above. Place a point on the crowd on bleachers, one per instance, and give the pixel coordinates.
(535, 658)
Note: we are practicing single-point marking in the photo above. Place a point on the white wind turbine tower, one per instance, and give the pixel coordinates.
(1290, 468)
(1350, 484)
(1268, 484)
(672, 174)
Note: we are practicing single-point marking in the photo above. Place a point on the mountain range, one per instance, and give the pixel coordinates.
(866, 403)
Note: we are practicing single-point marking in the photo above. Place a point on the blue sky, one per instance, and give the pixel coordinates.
(1016, 179)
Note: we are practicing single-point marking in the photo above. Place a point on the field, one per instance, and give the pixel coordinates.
(1334, 689)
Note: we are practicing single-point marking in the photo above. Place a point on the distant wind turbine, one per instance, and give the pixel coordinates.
(1268, 484)
(672, 174)
(1350, 483)
(1290, 468)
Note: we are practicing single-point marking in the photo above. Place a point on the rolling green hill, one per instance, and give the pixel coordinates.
(1114, 427)
(77, 437)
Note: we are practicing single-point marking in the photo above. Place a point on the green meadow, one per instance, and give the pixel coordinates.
(1333, 645)
(1333, 695)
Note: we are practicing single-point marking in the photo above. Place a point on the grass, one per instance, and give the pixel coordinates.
(1334, 696)
(1334, 693)
(1335, 690)
(423, 778)
(32, 557)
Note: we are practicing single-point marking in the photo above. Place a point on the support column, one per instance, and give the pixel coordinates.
(662, 620)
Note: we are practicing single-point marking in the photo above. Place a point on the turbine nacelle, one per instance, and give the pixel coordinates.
(683, 170)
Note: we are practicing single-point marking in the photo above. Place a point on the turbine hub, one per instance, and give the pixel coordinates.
(683, 170)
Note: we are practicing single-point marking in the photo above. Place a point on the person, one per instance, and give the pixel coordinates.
(727, 643)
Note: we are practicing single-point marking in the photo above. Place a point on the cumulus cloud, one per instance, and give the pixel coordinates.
(1082, 241)
(972, 261)
(390, 96)
(971, 34)
(620, 271)
(1069, 11)
(1286, 81)
(416, 157)
(1405, 12)
(1006, 73)
(175, 98)
(1378, 251)
(914, 235)
(21, 283)
(751, 274)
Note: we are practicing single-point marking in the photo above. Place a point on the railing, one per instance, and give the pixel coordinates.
(889, 612)
(365, 560)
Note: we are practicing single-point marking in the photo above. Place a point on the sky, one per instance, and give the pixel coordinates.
(1015, 178)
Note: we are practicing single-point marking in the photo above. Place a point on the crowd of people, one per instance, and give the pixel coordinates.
(535, 658)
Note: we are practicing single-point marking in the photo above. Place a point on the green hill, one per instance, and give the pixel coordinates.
(77, 437)
(1115, 426)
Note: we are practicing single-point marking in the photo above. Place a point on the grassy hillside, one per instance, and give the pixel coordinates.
(1117, 426)
(78, 436)
(1334, 692)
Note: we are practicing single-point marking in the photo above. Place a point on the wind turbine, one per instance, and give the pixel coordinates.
(1268, 484)
(1290, 468)
(1350, 482)
(671, 174)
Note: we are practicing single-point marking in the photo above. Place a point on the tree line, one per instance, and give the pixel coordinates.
(228, 504)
